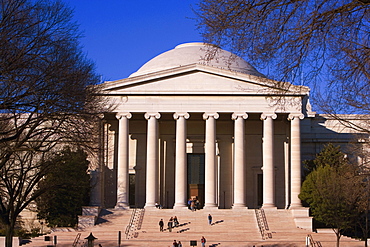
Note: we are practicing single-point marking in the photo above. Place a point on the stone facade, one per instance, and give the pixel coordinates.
(217, 129)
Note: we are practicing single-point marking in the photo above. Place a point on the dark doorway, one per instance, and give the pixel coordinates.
(196, 168)
(132, 190)
(259, 190)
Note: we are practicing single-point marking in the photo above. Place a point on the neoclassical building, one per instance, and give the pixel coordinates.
(189, 123)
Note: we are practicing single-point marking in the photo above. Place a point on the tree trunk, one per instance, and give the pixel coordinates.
(9, 233)
(337, 233)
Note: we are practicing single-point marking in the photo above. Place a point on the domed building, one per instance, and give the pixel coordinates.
(200, 122)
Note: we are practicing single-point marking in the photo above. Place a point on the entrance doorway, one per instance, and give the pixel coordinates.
(196, 175)
(132, 190)
(259, 190)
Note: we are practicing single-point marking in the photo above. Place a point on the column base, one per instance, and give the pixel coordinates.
(150, 205)
(180, 208)
(268, 206)
(296, 206)
(122, 206)
(239, 206)
(210, 206)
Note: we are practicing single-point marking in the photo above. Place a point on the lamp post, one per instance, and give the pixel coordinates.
(90, 240)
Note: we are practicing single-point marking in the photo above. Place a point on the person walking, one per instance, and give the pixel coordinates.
(161, 224)
(203, 241)
(209, 219)
(174, 244)
(179, 244)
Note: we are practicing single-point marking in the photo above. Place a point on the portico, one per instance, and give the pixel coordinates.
(214, 129)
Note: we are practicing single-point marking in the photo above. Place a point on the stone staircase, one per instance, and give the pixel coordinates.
(235, 228)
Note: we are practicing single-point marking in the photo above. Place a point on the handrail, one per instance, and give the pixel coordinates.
(262, 224)
(135, 222)
(76, 240)
(141, 218)
(264, 219)
(312, 242)
(131, 222)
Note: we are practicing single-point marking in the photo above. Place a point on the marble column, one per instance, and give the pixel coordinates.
(295, 159)
(268, 160)
(239, 160)
(152, 159)
(181, 161)
(210, 190)
(123, 162)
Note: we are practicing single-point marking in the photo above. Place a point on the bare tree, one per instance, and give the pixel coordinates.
(47, 89)
(322, 44)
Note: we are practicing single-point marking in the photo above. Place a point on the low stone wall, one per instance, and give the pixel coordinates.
(16, 242)
(302, 218)
(89, 216)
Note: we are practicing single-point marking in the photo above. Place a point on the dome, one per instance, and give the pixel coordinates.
(197, 53)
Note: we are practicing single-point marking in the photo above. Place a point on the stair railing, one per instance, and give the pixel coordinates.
(312, 242)
(264, 219)
(135, 223)
(130, 223)
(141, 218)
(75, 242)
(262, 224)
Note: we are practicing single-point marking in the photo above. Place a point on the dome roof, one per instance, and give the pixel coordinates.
(197, 53)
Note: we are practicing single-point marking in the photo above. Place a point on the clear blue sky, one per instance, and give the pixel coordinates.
(121, 35)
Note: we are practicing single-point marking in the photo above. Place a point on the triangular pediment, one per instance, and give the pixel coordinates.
(199, 79)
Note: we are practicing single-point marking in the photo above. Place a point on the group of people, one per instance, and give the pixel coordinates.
(172, 222)
(193, 204)
(176, 244)
(179, 244)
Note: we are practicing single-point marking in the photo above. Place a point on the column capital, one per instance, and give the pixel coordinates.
(264, 116)
(148, 115)
(207, 115)
(236, 115)
(292, 116)
(120, 115)
(177, 115)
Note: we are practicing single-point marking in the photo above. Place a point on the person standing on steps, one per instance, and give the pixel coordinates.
(179, 244)
(192, 206)
(209, 219)
(175, 221)
(203, 241)
(169, 224)
(172, 223)
(161, 224)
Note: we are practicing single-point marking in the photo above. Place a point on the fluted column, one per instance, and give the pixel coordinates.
(123, 162)
(295, 159)
(268, 160)
(239, 160)
(181, 161)
(152, 159)
(210, 160)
